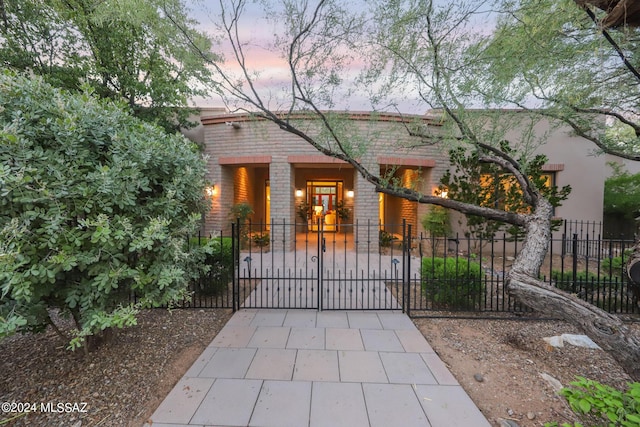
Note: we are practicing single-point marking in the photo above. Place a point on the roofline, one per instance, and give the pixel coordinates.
(352, 115)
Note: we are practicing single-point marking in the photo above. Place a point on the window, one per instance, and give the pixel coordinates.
(502, 191)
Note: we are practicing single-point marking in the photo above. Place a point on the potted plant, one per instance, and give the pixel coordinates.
(261, 239)
(303, 211)
(343, 212)
(242, 211)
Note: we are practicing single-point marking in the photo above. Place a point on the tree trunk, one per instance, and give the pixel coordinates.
(607, 330)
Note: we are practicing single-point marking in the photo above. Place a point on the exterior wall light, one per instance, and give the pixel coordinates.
(350, 194)
(211, 190)
(441, 192)
(298, 193)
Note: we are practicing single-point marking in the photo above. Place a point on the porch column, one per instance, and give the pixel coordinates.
(426, 186)
(282, 203)
(366, 212)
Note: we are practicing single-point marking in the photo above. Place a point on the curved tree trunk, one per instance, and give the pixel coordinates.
(607, 330)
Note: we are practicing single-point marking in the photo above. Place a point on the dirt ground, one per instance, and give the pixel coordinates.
(121, 384)
(501, 363)
(124, 382)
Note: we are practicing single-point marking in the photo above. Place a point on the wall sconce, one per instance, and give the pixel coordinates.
(298, 193)
(441, 192)
(350, 194)
(211, 190)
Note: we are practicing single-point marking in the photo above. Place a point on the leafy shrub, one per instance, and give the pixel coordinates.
(215, 265)
(385, 239)
(436, 222)
(616, 266)
(611, 406)
(261, 239)
(95, 205)
(564, 279)
(452, 282)
(241, 212)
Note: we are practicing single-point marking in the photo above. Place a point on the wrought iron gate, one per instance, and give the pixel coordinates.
(285, 265)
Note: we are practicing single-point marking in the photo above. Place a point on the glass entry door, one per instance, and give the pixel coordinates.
(323, 197)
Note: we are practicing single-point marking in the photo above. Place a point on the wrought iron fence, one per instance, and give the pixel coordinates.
(474, 272)
(213, 285)
(420, 274)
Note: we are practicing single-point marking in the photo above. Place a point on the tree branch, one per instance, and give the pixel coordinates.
(613, 44)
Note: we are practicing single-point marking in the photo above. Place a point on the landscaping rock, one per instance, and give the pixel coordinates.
(573, 339)
(554, 383)
(507, 423)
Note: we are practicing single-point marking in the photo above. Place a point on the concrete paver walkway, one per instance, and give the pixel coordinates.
(318, 368)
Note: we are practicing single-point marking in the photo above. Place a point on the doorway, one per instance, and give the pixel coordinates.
(324, 197)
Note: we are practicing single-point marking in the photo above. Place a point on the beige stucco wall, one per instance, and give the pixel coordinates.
(267, 151)
(583, 170)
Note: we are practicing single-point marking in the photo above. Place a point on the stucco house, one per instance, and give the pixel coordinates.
(274, 171)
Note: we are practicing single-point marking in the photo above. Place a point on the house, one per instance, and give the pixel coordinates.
(276, 172)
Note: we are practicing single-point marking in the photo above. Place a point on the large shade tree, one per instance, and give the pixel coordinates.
(540, 54)
(125, 49)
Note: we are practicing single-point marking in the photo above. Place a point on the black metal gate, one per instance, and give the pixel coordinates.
(314, 266)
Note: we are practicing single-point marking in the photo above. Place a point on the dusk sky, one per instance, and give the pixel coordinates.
(274, 71)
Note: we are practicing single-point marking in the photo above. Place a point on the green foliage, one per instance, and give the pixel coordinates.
(385, 239)
(616, 266)
(139, 51)
(342, 211)
(241, 212)
(436, 222)
(261, 239)
(553, 51)
(471, 181)
(622, 194)
(612, 407)
(304, 211)
(95, 205)
(564, 279)
(214, 264)
(452, 282)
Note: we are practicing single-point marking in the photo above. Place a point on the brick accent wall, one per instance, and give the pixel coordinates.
(235, 153)
(408, 208)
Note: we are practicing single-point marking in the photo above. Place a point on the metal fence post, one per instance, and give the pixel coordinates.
(575, 260)
(407, 272)
(235, 284)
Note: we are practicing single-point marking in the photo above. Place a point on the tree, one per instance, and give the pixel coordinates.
(622, 194)
(487, 185)
(137, 57)
(411, 48)
(619, 13)
(95, 206)
(594, 88)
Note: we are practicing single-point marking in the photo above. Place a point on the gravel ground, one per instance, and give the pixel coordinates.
(509, 358)
(121, 384)
(124, 382)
